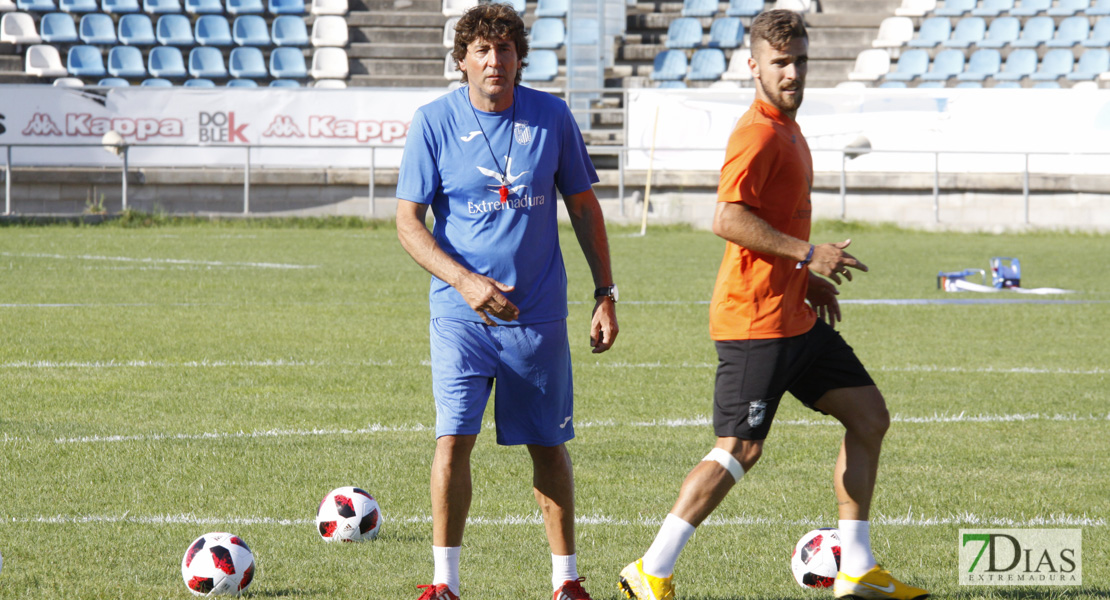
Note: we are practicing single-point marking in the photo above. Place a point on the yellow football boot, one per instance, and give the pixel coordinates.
(638, 585)
(876, 584)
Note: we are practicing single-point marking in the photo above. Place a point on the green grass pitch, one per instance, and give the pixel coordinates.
(157, 383)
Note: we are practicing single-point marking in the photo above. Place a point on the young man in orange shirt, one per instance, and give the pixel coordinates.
(769, 340)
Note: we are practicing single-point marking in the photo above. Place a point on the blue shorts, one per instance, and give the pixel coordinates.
(534, 402)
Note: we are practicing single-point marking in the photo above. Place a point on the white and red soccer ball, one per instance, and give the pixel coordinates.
(816, 558)
(348, 514)
(217, 564)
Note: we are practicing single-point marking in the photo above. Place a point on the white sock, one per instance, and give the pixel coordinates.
(663, 554)
(447, 567)
(855, 547)
(563, 569)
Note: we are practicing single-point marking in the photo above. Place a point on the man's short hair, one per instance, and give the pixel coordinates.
(778, 27)
(490, 22)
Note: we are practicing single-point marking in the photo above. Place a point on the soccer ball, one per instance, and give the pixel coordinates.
(348, 514)
(216, 564)
(816, 558)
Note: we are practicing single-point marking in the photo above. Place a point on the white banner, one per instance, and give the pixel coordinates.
(922, 121)
(179, 127)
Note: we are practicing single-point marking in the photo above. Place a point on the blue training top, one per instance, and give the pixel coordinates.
(448, 164)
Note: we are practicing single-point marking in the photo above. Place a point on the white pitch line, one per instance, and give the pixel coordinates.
(156, 261)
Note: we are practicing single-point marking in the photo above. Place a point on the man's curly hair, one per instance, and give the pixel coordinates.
(491, 22)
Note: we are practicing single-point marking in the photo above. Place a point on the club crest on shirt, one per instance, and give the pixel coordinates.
(522, 133)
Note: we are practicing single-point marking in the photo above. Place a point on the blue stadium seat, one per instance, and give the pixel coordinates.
(1007, 85)
(156, 82)
(551, 8)
(1091, 64)
(247, 62)
(699, 8)
(1019, 64)
(85, 61)
(543, 65)
(245, 7)
(1072, 31)
(113, 82)
(1037, 31)
(726, 32)
(1067, 8)
(35, 6)
(207, 62)
(136, 29)
(174, 30)
(548, 33)
(893, 84)
(933, 31)
(289, 30)
(984, 63)
(968, 32)
(204, 7)
(200, 82)
(57, 28)
(1046, 85)
(744, 8)
(161, 7)
(970, 84)
(126, 61)
(954, 8)
(250, 30)
(946, 65)
(119, 6)
(1100, 8)
(911, 65)
(684, 32)
(1030, 8)
(78, 6)
(287, 63)
(931, 85)
(286, 7)
(671, 84)
(165, 62)
(212, 30)
(707, 64)
(1002, 31)
(247, 83)
(993, 8)
(669, 65)
(285, 83)
(1099, 37)
(97, 28)
(1056, 63)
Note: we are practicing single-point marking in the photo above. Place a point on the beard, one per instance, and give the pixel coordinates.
(782, 101)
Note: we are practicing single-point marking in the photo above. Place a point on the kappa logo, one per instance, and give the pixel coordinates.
(41, 124)
(470, 136)
(757, 410)
(507, 179)
(282, 126)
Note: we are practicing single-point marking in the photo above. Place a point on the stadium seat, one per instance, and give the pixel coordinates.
(42, 60)
(669, 65)
(894, 32)
(992, 8)
(247, 62)
(551, 8)
(287, 63)
(726, 32)
(204, 7)
(1091, 64)
(19, 28)
(245, 83)
(113, 82)
(911, 65)
(870, 65)
(288, 30)
(329, 7)
(250, 30)
(933, 31)
(136, 29)
(738, 69)
(119, 6)
(449, 32)
(968, 32)
(1072, 31)
(78, 6)
(85, 61)
(546, 33)
(329, 30)
(1099, 37)
(455, 8)
(245, 7)
(1100, 8)
(543, 65)
(1002, 31)
(161, 7)
(285, 7)
(1067, 8)
(330, 63)
(744, 8)
(707, 64)
(1046, 85)
(97, 28)
(165, 62)
(330, 84)
(946, 65)
(970, 84)
(285, 83)
(207, 62)
(930, 84)
(1056, 63)
(69, 82)
(955, 8)
(1006, 85)
(684, 32)
(893, 85)
(1037, 31)
(174, 30)
(57, 28)
(156, 82)
(1029, 8)
(8, 6)
(671, 84)
(212, 30)
(126, 61)
(1019, 64)
(984, 63)
(35, 6)
(200, 83)
(700, 8)
(915, 8)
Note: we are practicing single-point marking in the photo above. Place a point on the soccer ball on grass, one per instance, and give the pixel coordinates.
(816, 558)
(348, 514)
(217, 564)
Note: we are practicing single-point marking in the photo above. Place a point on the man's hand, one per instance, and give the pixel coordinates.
(832, 261)
(822, 297)
(487, 297)
(603, 327)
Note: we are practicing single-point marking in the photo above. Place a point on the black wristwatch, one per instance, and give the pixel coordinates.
(607, 291)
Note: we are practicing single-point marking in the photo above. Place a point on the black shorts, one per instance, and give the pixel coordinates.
(752, 376)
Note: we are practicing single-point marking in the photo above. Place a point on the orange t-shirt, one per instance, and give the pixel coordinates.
(768, 167)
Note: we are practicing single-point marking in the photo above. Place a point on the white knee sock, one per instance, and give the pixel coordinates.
(855, 547)
(563, 569)
(663, 554)
(447, 567)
